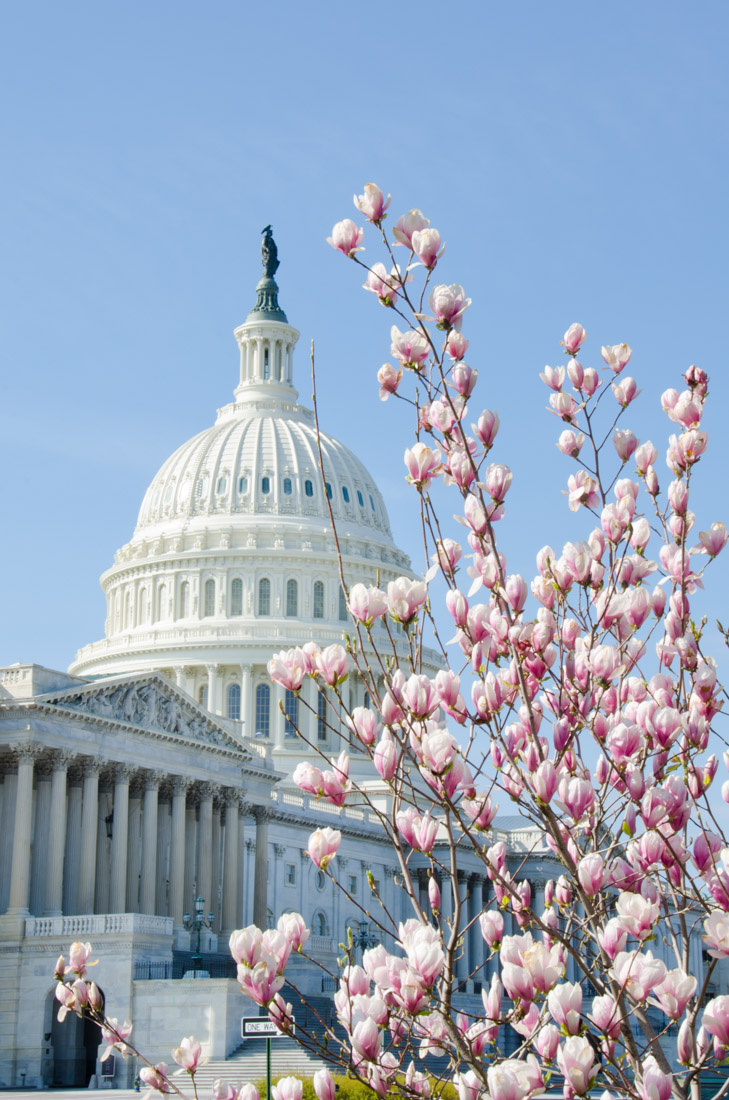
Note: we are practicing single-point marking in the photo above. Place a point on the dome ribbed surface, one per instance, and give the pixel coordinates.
(261, 458)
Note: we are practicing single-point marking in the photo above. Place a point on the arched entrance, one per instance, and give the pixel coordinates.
(74, 1047)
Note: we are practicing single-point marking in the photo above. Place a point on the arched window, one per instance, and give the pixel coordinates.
(287, 486)
(236, 596)
(265, 485)
(266, 365)
(162, 602)
(308, 488)
(209, 598)
(291, 711)
(318, 599)
(360, 499)
(292, 599)
(202, 695)
(342, 606)
(372, 503)
(263, 710)
(320, 925)
(329, 490)
(345, 494)
(184, 600)
(222, 485)
(234, 701)
(242, 485)
(366, 701)
(264, 596)
(321, 716)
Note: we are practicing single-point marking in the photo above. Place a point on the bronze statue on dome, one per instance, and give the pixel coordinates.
(269, 253)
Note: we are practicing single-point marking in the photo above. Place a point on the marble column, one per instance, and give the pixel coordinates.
(205, 846)
(89, 825)
(214, 684)
(474, 941)
(216, 895)
(57, 836)
(231, 907)
(40, 832)
(149, 842)
(26, 755)
(246, 700)
(120, 839)
(134, 844)
(74, 816)
(177, 850)
(190, 855)
(260, 885)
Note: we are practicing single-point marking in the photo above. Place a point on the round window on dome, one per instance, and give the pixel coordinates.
(287, 487)
(168, 493)
(345, 494)
(329, 490)
(308, 488)
(372, 503)
(222, 485)
(360, 499)
(242, 485)
(265, 485)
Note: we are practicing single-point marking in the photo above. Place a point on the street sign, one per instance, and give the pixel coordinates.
(255, 1026)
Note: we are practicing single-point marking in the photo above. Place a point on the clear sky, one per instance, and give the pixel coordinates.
(574, 157)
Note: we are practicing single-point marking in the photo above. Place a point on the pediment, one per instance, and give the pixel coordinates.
(148, 702)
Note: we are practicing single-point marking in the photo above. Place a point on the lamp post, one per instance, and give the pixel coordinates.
(362, 936)
(196, 924)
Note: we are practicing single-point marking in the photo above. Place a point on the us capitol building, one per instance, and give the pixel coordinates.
(156, 771)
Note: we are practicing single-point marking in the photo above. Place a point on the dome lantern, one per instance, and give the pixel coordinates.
(266, 339)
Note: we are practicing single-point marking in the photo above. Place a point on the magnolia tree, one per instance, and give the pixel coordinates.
(583, 696)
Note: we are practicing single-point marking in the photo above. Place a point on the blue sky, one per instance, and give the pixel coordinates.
(573, 156)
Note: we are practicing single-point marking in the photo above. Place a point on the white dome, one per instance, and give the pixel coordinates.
(233, 556)
(260, 458)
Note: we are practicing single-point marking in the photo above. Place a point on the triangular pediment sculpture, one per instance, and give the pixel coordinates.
(149, 702)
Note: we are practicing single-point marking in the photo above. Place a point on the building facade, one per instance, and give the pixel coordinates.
(158, 769)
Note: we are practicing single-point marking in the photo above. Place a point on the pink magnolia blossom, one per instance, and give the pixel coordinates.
(573, 339)
(456, 344)
(675, 992)
(248, 1092)
(323, 845)
(570, 442)
(113, 1033)
(716, 934)
(287, 1088)
(288, 668)
(407, 224)
(448, 304)
(553, 377)
(487, 427)
(372, 203)
(637, 915)
(78, 958)
(346, 237)
(655, 1084)
(389, 379)
(492, 927)
(324, 1086)
(293, 927)
(581, 491)
(434, 898)
(366, 603)
(363, 723)
(426, 245)
(332, 665)
(624, 442)
(188, 1054)
(463, 378)
(638, 972)
(498, 481)
(576, 1061)
(716, 1019)
(423, 464)
(714, 540)
(385, 756)
(410, 348)
(404, 598)
(513, 1079)
(565, 1006)
(591, 873)
(384, 285)
(605, 1015)
(617, 356)
(155, 1077)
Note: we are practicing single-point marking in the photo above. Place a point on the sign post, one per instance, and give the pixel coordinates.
(256, 1027)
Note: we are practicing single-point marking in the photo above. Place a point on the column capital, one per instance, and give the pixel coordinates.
(250, 845)
(262, 813)
(91, 765)
(44, 768)
(180, 784)
(206, 791)
(214, 670)
(27, 751)
(279, 850)
(123, 773)
(246, 669)
(62, 760)
(152, 780)
(231, 796)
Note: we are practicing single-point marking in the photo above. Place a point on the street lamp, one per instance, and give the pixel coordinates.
(196, 924)
(362, 936)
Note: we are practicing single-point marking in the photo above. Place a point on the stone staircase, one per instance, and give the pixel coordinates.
(248, 1063)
